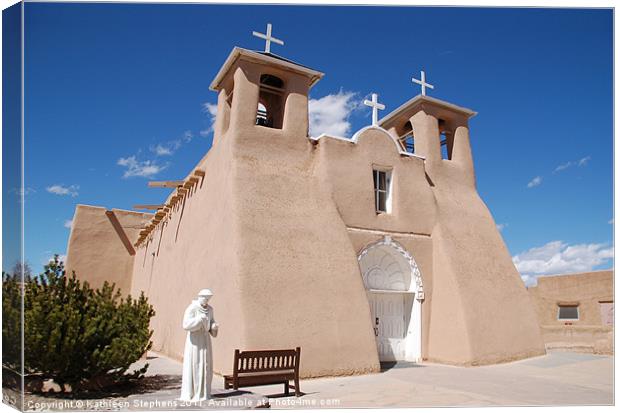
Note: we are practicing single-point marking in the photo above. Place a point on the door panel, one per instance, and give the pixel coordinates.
(388, 315)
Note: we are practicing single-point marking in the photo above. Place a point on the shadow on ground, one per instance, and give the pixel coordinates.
(388, 365)
(145, 385)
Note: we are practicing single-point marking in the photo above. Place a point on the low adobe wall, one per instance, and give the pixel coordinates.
(98, 245)
(588, 339)
(586, 290)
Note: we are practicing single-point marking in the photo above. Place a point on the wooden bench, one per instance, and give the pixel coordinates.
(256, 368)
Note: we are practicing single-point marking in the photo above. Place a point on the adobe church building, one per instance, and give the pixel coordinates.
(359, 250)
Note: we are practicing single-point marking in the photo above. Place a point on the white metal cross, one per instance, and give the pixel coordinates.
(268, 38)
(422, 82)
(376, 107)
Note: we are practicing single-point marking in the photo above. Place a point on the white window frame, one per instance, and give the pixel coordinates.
(387, 191)
(568, 319)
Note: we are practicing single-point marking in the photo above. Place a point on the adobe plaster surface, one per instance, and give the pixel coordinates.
(587, 290)
(96, 252)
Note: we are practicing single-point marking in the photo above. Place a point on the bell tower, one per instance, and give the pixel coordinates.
(262, 93)
(438, 131)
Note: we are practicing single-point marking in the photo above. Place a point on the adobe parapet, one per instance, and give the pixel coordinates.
(355, 139)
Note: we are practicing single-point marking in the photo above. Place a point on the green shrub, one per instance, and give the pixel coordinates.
(11, 321)
(80, 336)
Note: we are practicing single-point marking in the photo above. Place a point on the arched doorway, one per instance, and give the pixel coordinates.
(394, 288)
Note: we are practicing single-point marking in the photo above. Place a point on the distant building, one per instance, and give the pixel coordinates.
(576, 311)
(358, 250)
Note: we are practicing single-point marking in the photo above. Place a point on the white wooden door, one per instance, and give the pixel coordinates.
(388, 317)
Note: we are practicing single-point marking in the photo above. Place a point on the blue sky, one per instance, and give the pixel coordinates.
(117, 90)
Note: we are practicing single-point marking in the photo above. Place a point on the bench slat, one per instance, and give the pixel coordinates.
(265, 360)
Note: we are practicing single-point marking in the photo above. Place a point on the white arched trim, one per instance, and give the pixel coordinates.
(357, 134)
(416, 277)
(399, 337)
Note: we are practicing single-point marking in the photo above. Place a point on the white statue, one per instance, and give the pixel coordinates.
(198, 357)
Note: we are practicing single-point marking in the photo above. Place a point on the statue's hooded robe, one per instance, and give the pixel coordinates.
(198, 356)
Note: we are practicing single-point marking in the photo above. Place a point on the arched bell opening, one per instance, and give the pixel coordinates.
(406, 138)
(270, 110)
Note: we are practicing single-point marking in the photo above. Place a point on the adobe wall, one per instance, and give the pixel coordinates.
(299, 273)
(95, 250)
(583, 338)
(345, 169)
(473, 268)
(479, 299)
(197, 248)
(583, 289)
(587, 290)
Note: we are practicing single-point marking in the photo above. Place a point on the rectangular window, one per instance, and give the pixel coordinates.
(568, 312)
(382, 182)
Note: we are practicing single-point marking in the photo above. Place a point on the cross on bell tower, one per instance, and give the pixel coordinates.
(268, 38)
(422, 82)
(376, 107)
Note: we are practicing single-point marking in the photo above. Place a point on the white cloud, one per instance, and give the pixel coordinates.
(584, 161)
(535, 182)
(330, 114)
(611, 221)
(161, 150)
(500, 227)
(563, 166)
(557, 257)
(68, 223)
(581, 162)
(145, 169)
(188, 136)
(529, 280)
(61, 257)
(166, 149)
(62, 190)
(170, 147)
(211, 110)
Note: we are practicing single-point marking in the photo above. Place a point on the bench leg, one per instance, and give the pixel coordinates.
(286, 388)
(297, 391)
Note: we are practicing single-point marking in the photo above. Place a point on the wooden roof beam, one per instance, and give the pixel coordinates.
(164, 184)
(147, 206)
